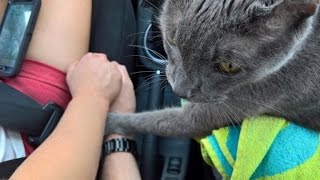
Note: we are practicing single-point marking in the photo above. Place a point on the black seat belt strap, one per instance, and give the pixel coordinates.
(8, 168)
(21, 113)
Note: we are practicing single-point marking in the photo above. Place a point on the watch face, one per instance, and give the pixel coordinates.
(120, 145)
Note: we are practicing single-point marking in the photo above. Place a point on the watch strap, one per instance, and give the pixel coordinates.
(120, 145)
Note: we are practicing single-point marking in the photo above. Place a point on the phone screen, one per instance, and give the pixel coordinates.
(12, 33)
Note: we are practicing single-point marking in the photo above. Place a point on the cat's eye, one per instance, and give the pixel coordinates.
(229, 68)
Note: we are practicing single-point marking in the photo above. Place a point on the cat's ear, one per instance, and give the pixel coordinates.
(263, 7)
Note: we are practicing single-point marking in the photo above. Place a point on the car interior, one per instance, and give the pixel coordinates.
(159, 157)
(142, 51)
(128, 31)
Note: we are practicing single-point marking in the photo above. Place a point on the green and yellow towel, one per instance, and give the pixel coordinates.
(264, 148)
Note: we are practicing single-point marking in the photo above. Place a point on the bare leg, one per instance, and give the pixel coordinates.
(62, 32)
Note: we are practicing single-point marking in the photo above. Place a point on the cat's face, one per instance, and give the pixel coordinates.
(215, 46)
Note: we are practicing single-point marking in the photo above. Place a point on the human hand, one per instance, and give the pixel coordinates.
(126, 101)
(94, 76)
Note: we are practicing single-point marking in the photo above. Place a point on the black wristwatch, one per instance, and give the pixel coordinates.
(120, 145)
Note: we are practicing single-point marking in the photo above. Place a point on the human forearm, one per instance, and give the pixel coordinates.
(73, 149)
(120, 166)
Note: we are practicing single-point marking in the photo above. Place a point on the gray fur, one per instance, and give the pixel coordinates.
(257, 35)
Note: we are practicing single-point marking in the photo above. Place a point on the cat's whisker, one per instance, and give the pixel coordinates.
(154, 6)
(156, 13)
(148, 83)
(143, 66)
(158, 42)
(263, 104)
(157, 18)
(154, 81)
(232, 119)
(134, 34)
(155, 52)
(247, 115)
(226, 116)
(156, 36)
(143, 32)
(144, 79)
(221, 117)
(140, 72)
(236, 117)
(148, 21)
(150, 76)
(141, 56)
(163, 84)
(163, 64)
(158, 54)
(141, 38)
(216, 111)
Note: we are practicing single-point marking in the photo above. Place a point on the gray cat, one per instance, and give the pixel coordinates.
(233, 59)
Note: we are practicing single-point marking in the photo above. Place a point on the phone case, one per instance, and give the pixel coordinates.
(36, 4)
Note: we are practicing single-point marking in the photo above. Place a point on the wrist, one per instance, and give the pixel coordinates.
(116, 136)
(97, 102)
(119, 144)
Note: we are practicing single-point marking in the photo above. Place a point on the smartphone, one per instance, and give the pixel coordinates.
(16, 30)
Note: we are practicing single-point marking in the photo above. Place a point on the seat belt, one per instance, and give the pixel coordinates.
(9, 167)
(21, 113)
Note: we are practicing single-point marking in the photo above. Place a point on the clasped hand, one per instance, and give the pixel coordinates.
(95, 77)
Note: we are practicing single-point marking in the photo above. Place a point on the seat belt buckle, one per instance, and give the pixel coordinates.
(57, 113)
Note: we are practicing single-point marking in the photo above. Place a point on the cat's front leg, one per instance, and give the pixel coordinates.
(193, 120)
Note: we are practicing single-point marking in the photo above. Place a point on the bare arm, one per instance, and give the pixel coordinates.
(73, 150)
(122, 166)
(65, 155)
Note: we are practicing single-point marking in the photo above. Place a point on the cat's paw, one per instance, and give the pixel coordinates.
(114, 125)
